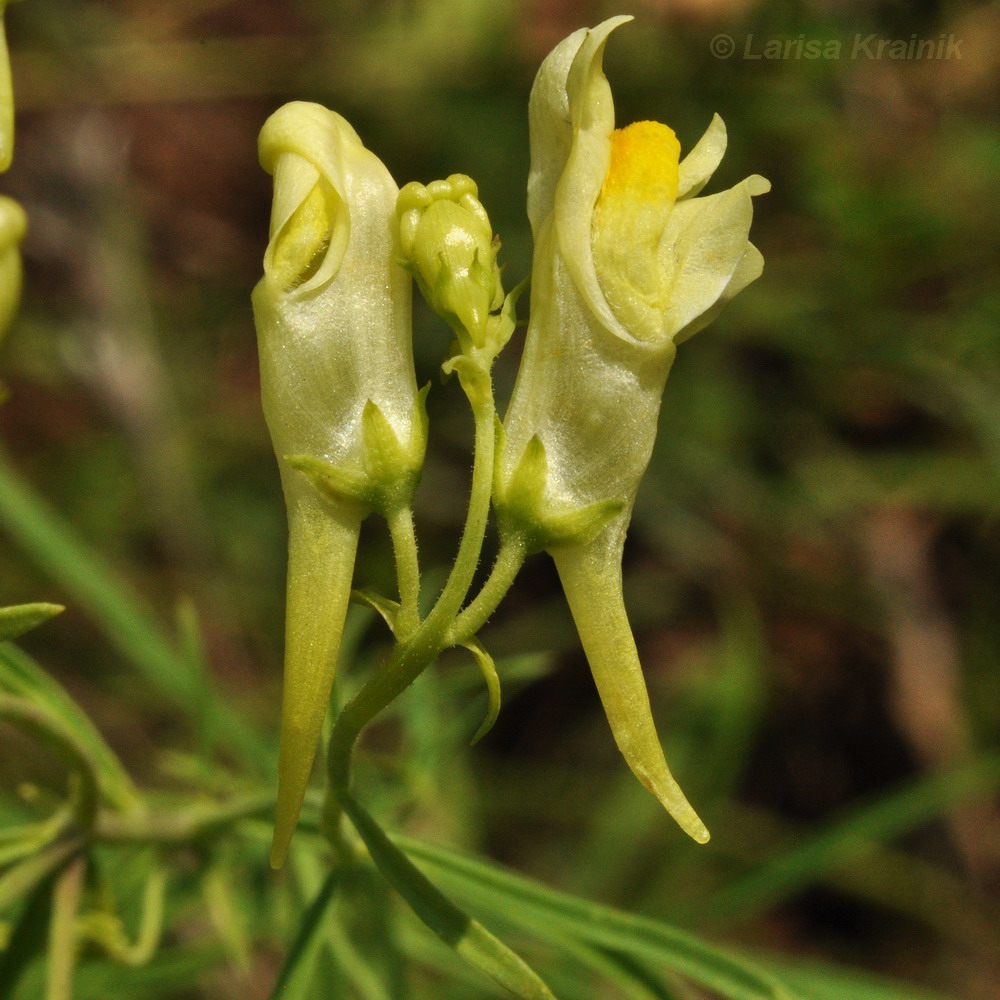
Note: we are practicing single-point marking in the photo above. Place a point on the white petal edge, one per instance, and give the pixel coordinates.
(748, 270)
(592, 108)
(697, 167)
(550, 128)
(704, 242)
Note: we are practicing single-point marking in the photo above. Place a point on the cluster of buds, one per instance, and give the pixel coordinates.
(449, 247)
(628, 262)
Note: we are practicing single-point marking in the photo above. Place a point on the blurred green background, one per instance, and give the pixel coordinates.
(813, 570)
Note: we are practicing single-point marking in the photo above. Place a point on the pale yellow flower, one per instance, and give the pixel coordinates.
(628, 262)
(339, 394)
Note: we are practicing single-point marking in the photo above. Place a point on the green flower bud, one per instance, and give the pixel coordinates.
(448, 244)
(627, 263)
(339, 395)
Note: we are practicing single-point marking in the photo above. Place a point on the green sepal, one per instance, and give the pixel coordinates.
(522, 508)
(386, 460)
(387, 609)
(393, 467)
(20, 618)
(343, 486)
(500, 327)
(581, 526)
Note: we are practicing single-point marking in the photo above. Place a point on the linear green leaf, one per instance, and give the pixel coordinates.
(293, 980)
(817, 981)
(468, 937)
(20, 618)
(21, 676)
(521, 901)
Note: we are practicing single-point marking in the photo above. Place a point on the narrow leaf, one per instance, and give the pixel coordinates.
(128, 625)
(468, 937)
(293, 981)
(839, 843)
(21, 676)
(830, 982)
(21, 618)
(528, 904)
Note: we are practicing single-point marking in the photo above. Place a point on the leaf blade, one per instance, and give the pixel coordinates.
(470, 939)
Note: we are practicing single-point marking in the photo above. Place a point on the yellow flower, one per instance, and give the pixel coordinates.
(339, 395)
(628, 262)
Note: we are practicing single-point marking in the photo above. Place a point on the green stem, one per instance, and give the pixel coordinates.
(20, 880)
(53, 731)
(480, 395)
(198, 823)
(404, 548)
(62, 930)
(410, 658)
(508, 564)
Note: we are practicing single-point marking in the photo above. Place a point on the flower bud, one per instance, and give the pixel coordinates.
(339, 395)
(448, 244)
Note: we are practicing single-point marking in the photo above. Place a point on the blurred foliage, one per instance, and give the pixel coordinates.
(813, 569)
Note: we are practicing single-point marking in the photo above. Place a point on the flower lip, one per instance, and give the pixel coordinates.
(701, 162)
(310, 150)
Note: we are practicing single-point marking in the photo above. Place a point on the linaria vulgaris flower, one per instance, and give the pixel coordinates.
(628, 263)
(339, 394)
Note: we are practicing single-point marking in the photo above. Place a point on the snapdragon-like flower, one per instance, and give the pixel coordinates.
(628, 262)
(339, 395)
